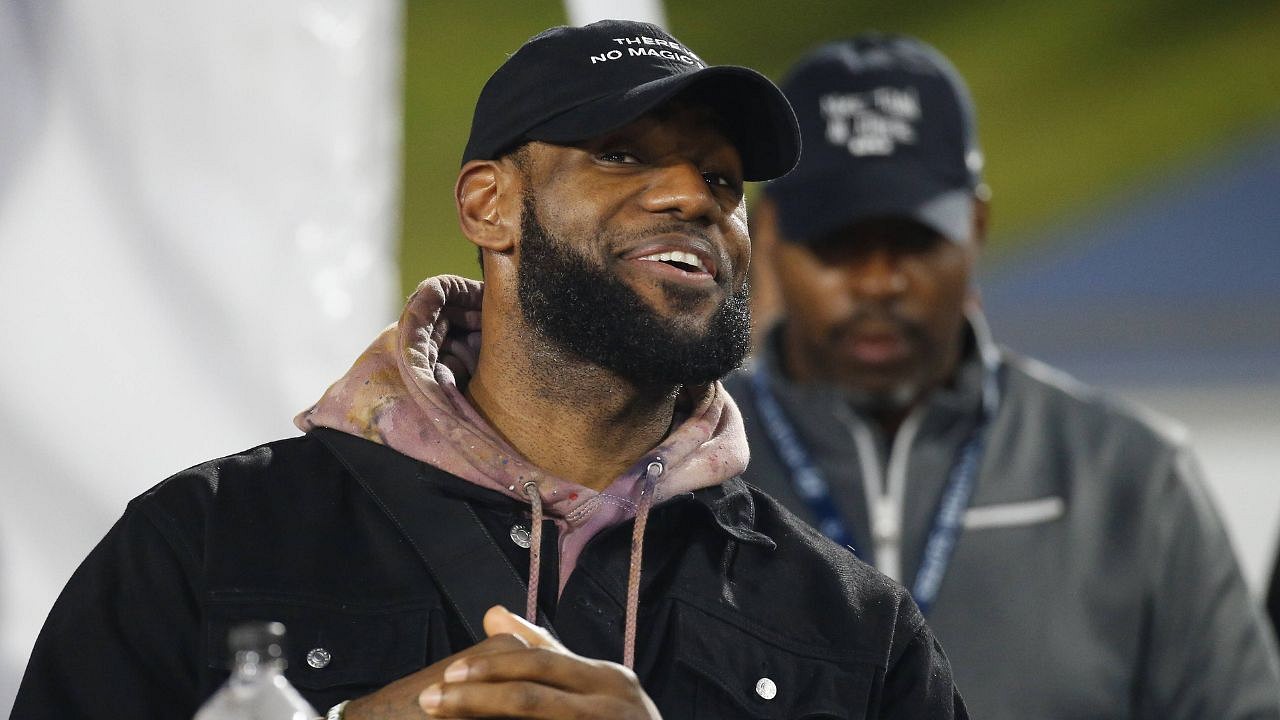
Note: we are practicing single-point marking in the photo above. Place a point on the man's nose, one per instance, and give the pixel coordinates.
(878, 275)
(679, 189)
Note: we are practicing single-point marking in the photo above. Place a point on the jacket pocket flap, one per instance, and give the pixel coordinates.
(330, 644)
(735, 674)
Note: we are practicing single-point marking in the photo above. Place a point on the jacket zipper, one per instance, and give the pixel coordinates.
(886, 513)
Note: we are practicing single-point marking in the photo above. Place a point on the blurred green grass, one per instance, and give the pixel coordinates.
(1077, 102)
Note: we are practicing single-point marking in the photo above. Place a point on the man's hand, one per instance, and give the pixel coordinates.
(520, 671)
(399, 700)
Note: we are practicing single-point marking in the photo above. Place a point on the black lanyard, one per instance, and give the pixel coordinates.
(812, 487)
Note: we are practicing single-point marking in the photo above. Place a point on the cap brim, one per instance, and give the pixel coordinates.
(758, 117)
(807, 215)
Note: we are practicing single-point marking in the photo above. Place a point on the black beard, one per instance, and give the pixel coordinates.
(587, 311)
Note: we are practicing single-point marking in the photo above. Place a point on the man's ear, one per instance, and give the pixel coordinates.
(981, 223)
(766, 299)
(488, 196)
(981, 217)
(763, 226)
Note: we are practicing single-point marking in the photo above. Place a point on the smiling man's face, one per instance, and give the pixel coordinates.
(634, 249)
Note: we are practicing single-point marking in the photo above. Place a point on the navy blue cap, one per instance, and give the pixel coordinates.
(569, 84)
(889, 131)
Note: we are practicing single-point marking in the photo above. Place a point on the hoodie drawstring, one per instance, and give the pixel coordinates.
(651, 474)
(535, 551)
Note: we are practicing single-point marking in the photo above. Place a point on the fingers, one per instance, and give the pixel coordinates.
(499, 620)
(506, 642)
(536, 682)
(511, 700)
(547, 666)
(519, 671)
(402, 696)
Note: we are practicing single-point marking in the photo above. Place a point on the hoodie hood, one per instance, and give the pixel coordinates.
(406, 391)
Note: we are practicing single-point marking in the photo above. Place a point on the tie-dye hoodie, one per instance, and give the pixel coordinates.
(406, 391)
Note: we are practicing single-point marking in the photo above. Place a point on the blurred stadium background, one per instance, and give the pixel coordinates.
(1133, 150)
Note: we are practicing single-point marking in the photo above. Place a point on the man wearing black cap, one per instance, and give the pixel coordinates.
(554, 441)
(1060, 543)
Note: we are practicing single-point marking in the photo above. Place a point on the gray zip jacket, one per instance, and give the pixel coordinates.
(1093, 577)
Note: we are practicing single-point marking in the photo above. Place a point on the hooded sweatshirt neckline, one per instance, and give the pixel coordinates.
(405, 392)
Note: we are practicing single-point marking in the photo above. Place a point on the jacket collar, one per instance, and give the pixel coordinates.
(385, 473)
(734, 510)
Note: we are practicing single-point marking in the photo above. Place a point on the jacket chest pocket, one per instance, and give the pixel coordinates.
(334, 652)
(720, 671)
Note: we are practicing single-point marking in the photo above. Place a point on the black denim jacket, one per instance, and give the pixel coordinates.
(744, 611)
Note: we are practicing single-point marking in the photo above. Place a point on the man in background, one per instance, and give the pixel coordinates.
(1061, 542)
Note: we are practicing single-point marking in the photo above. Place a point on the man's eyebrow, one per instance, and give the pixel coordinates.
(630, 131)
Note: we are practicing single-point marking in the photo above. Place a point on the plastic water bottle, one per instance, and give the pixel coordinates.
(257, 688)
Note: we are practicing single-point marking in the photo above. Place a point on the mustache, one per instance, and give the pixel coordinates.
(676, 227)
(879, 316)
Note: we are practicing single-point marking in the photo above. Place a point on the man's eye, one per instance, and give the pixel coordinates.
(619, 156)
(714, 178)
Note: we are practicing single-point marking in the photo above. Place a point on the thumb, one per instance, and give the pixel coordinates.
(499, 620)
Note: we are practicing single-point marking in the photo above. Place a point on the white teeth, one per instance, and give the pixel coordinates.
(677, 256)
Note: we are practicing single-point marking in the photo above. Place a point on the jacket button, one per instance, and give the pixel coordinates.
(766, 688)
(318, 658)
(521, 536)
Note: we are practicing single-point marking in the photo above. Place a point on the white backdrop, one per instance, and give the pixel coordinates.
(197, 227)
(583, 12)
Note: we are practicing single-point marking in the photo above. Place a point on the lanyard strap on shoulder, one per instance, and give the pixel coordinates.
(806, 478)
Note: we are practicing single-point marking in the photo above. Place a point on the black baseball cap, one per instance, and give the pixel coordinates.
(569, 84)
(889, 131)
